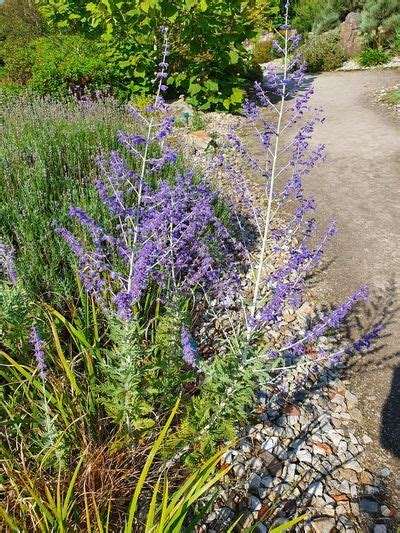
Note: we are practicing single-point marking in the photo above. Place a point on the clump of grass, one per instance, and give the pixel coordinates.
(372, 57)
(392, 97)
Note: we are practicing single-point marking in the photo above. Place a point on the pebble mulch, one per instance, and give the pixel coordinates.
(305, 458)
(379, 97)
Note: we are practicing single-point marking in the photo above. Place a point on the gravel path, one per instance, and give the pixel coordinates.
(359, 186)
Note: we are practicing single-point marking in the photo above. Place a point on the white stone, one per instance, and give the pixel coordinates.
(353, 465)
(304, 456)
(385, 511)
(323, 525)
(316, 489)
(334, 436)
(270, 444)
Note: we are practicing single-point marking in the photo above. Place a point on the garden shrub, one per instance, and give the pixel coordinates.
(323, 53)
(380, 20)
(371, 57)
(262, 52)
(333, 13)
(305, 12)
(58, 65)
(20, 23)
(46, 162)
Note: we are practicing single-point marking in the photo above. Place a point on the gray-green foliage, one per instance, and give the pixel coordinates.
(15, 308)
(322, 53)
(122, 390)
(380, 20)
(144, 369)
(305, 14)
(334, 12)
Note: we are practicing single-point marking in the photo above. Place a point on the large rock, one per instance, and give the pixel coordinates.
(350, 36)
(179, 107)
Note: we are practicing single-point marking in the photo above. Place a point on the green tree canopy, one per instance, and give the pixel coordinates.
(208, 60)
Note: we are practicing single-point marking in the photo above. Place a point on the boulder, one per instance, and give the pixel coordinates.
(350, 36)
(179, 107)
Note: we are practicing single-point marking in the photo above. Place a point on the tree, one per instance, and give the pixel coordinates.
(208, 61)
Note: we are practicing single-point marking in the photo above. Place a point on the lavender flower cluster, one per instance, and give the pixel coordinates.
(165, 229)
(38, 351)
(7, 265)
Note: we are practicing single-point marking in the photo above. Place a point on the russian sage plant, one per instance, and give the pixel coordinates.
(166, 243)
(165, 239)
(288, 246)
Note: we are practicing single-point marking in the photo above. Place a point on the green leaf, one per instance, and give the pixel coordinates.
(194, 88)
(237, 95)
(190, 3)
(288, 525)
(233, 57)
(212, 85)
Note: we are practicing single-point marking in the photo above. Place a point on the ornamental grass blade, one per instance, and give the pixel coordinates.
(186, 503)
(230, 530)
(152, 509)
(26, 373)
(13, 525)
(98, 517)
(164, 506)
(71, 488)
(87, 513)
(63, 360)
(288, 525)
(146, 468)
(202, 473)
(76, 333)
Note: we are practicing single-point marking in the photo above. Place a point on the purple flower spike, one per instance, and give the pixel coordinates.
(7, 266)
(189, 347)
(38, 352)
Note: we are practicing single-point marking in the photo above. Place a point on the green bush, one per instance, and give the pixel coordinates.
(262, 52)
(57, 65)
(333, 13)
(305, 13)
(380, 21)
(371, 57)
(322, 53)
